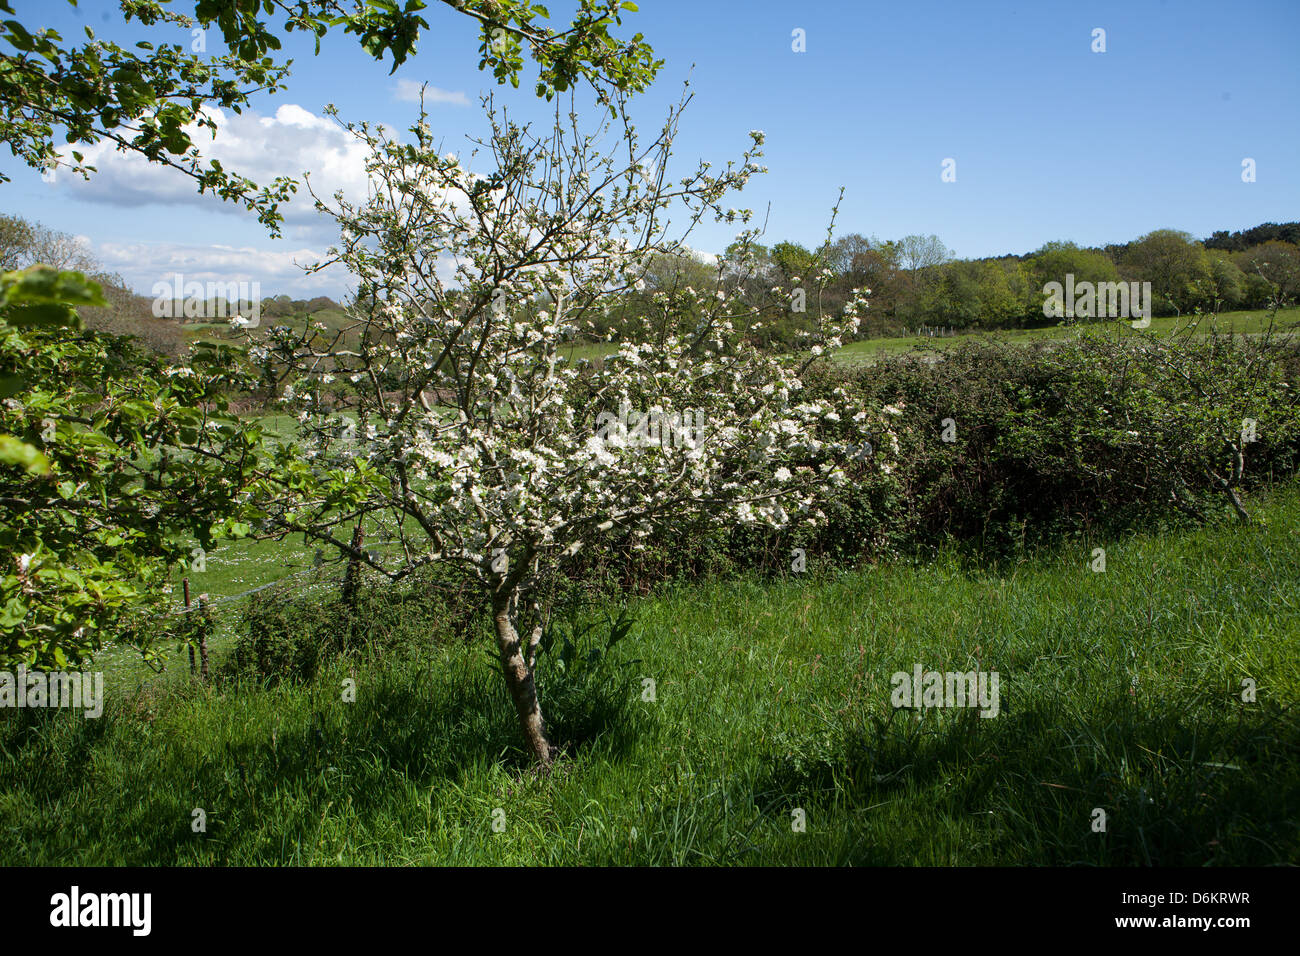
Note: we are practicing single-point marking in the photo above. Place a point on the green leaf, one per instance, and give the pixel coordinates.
(15, 452)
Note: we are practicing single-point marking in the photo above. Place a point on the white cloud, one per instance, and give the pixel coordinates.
(276, 271)
(408, 91)
(291, 142)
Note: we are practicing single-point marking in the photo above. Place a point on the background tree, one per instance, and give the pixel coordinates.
(920, 257)
(867, 263)
(1055, 260)
(794, 260)
(1224, 285)
(917, 253)
(1254, 236)
(15, 242)
(969, 294)
(1173, 262)
(1278, 262)
(1024, 288)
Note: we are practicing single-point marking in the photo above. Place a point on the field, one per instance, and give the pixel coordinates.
(769, 711)
(1246, 323)
(873, 348)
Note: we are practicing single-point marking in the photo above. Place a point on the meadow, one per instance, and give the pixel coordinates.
(1248, 322)
(767, 736)
(875, 347)
(1096, 527)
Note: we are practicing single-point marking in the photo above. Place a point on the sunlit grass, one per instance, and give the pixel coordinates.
(1120, 690)
(1243, 323)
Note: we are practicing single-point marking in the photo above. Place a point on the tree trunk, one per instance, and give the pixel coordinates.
(519, 678)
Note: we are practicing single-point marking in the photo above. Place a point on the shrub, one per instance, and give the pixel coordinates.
(1099, 431)
(1095, 434)
(286, 634)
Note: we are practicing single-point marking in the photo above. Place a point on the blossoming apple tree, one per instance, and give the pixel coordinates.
(450, 413)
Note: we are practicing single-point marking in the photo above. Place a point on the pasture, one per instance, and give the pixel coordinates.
(768, 736)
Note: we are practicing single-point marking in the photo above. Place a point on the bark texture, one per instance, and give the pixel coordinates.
(517, 664)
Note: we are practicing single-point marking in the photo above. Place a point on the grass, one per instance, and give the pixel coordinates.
(867, 350)
(1245, 322)
(1119, 690)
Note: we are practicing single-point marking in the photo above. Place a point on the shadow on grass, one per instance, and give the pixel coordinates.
(1180, 784)
(123, 788)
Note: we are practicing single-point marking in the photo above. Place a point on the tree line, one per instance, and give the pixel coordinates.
(917, 281)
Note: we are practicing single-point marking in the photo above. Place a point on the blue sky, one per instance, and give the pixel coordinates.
(1050, 139)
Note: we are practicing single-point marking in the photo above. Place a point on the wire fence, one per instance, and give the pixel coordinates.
(226, 599)
(231, 598)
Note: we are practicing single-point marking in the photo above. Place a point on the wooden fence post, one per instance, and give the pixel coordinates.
(185, 582)
(354, 567)
(203, 638)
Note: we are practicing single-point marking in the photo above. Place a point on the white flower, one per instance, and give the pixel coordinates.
(893, 410)
(783, 474)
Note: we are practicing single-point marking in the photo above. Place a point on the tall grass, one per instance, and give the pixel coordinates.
(1120, 691)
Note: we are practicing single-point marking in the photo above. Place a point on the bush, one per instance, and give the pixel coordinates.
(1099, 432)
(1096, 434)
(1093, 435)
(285, 634)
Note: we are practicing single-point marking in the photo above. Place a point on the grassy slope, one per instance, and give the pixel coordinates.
(871, 349)
(1120, 690)
(868, 350)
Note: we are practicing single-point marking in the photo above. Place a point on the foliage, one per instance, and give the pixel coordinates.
(482, 447)
(116, 466)
(288, 633)
(915, 281)
(151, 98)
